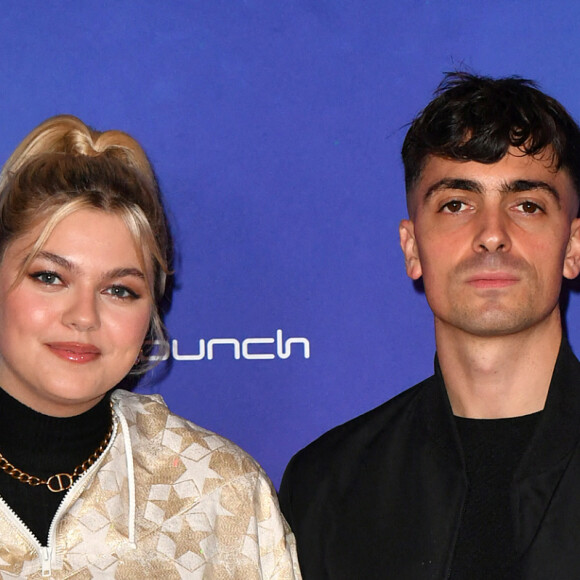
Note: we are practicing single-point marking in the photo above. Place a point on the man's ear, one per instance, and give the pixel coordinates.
(572, 258)
(409, 247)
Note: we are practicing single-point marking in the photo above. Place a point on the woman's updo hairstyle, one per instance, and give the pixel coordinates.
(63, 166)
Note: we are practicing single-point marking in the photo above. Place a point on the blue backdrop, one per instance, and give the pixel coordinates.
(275, 130)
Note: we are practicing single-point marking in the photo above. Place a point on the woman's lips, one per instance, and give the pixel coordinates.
(75, 351)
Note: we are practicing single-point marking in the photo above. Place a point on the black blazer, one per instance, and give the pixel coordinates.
(381, 496)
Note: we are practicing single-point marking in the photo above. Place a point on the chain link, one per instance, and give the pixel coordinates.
(59, 481)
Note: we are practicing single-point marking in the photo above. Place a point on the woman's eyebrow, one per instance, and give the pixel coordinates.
(56, 259)
(122, 272)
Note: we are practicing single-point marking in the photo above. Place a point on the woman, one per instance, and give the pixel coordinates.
(95, 482)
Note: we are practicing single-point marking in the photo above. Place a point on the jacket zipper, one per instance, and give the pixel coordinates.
(46, 554)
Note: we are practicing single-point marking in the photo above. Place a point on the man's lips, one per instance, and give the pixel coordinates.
(74, 351)
(492, 279)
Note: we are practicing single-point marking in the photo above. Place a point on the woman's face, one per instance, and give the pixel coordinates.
(73, 327)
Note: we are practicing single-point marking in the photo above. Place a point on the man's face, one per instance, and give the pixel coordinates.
(492, 241)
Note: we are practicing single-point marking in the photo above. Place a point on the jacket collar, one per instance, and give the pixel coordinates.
(547, 456)
(556, 434)
(439, 421)
(558, 430)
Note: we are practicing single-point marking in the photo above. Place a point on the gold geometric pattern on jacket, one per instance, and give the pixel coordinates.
(167, 500)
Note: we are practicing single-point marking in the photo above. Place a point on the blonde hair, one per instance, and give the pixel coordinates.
(63, 166)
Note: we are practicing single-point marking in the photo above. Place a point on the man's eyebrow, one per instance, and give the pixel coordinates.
(454, 183)
(517, 186)
(523, 185)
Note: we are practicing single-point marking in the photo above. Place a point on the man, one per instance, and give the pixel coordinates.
(475, 472)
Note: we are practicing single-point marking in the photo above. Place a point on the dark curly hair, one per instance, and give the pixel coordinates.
(478, 118)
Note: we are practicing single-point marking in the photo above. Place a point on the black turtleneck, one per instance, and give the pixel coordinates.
(42, 445)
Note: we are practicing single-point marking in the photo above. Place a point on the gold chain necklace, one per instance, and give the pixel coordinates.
(59, 481)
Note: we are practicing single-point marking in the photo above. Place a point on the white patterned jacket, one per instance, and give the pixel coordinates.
(167, 499)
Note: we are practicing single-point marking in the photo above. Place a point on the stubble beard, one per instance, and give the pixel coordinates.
(494, 312)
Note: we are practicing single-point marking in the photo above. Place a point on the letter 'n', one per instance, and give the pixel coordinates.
(284, 349)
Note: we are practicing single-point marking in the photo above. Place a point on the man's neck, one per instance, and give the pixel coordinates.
(501, 376)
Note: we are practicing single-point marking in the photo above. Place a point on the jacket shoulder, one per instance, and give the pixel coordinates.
(156, 433)
(190, 481)
(364, 430)
(332, 489)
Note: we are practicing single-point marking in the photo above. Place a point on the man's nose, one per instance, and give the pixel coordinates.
(492, 232)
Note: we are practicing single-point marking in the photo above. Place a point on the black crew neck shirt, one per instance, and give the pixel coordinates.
(492, 448)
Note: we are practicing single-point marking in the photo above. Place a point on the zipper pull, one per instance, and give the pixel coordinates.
(46, 569)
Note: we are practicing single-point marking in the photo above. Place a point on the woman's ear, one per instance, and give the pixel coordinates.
(409, 247)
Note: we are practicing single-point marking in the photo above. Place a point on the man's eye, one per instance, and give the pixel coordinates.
(453, 206)
(529, 207)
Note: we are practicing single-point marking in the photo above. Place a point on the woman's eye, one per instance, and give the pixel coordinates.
(48, 278)
(453, 206)
(122, 292)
